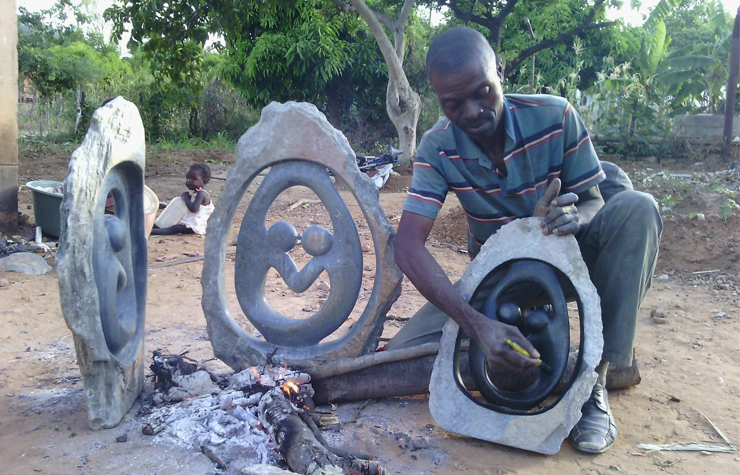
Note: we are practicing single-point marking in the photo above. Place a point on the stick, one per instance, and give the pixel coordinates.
(320, 369)
(303, 201)
(706, 271)
(721, 434)
(184, 261)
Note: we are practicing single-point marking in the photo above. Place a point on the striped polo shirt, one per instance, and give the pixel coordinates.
(545, 139)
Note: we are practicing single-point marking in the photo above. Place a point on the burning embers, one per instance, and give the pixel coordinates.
(219, 416)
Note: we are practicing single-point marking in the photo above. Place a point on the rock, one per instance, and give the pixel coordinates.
(720, 315)
(663, 278)
(658, 316)
(455, 411)
(192, 385)
(4, 283)
(95, 249)
(701, 217)
(122, 438)
(323, 286)
(284, 133)
(24, 263)
(264, 470)
(366, 247)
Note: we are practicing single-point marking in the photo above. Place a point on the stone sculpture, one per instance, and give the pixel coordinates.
(454, 409)
(102, 260)
(298, 144)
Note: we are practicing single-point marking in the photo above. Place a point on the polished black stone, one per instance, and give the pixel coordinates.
(545, 326)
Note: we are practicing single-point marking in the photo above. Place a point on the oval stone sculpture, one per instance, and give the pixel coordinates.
(260, 249)
(102, 260)
(452, 406)
(298, 144)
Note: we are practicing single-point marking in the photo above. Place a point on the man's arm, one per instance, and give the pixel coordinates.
(428, 277)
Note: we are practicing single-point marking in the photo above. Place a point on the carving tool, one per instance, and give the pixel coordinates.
(516, 347)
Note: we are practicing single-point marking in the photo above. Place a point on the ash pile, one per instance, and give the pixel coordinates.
(219, 415)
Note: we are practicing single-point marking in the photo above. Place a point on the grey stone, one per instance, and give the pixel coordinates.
(24, 263)
(298, 143)
(264, 470)
(338, 254)
(543, 432)
(102, 261)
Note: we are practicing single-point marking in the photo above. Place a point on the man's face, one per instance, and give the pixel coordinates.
(471, 97)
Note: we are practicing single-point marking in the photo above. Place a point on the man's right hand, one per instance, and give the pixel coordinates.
(491, 337)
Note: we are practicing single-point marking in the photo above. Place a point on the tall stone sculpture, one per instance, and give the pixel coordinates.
(102, 260)
(298, 144)
(543, 431)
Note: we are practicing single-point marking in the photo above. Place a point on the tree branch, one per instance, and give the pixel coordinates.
(345, 7)
(562, 38)
(461, 15)
(395, 67)
(506, 11)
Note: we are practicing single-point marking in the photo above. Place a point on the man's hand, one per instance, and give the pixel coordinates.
(559, 212)
(491, 337)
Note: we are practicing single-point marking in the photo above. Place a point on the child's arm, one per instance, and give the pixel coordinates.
(201, 198)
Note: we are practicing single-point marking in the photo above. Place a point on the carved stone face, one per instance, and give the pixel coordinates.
(529, 296)
(298, 145)
(260, 249)
(115, 261)
(102, 260)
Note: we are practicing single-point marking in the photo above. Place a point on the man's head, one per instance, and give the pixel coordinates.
(466, 77)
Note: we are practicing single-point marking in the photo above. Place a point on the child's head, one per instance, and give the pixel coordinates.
(198, 176)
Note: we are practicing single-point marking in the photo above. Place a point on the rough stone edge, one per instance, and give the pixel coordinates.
(330, 148)
(103, 376)
(545, 432)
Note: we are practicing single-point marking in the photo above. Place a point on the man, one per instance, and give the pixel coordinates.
(508, 157)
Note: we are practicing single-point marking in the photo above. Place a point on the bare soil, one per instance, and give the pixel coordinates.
(689, 364)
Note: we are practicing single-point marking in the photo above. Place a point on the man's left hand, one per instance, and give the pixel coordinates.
(559, 212)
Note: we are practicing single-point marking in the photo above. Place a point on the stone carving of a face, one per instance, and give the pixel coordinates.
(113, 263)
(259, 249)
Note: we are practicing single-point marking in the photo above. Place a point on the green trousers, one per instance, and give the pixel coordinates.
(619, 246)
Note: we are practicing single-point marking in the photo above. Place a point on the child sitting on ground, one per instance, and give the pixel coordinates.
(198, 203)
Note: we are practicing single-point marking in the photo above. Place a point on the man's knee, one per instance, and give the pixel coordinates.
(641, 208)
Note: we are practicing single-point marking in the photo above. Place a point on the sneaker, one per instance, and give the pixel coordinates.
(596, 431)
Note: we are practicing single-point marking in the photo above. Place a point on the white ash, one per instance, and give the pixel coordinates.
(225, 421)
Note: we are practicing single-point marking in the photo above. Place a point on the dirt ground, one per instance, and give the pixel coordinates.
(689, 364)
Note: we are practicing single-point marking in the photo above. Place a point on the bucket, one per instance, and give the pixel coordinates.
(47, 198)
(46, 205)
(151, 205)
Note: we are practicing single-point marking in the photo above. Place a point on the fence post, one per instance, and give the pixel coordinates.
(731, 87)
(8, 116)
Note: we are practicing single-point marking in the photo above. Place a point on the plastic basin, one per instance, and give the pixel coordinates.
(46, 205)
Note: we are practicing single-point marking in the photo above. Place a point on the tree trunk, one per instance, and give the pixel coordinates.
(405, 122)
(79, 108)
(402, 102)
(731, 87)
(633, 119)
(193, 122)
(332, 95)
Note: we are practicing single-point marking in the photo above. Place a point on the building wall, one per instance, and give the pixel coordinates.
(8, 115)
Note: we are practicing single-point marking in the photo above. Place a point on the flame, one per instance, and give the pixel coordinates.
(290, 388)
(256, 374)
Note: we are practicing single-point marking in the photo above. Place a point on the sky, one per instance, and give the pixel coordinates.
(630, 16)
